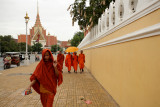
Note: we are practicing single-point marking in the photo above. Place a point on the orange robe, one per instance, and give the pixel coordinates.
(68, 62)
(81, 60)
(75, 61)
(46, 80)
(60, 59)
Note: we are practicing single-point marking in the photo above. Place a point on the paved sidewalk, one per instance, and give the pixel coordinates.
(75, 86)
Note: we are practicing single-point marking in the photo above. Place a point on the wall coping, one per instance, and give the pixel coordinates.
(143, 33)
(135, 16)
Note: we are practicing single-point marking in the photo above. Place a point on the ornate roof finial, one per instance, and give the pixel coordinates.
(38, 23)
(37, 8)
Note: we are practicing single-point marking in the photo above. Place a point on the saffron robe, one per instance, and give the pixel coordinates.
(75, 61)
(81, 60)
(60, 59)
(45, 77)
(68, 62)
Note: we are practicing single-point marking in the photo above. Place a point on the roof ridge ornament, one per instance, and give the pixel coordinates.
(37, 8)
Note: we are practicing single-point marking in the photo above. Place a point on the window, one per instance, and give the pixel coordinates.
(113, 15)
(133, 5)
(107, 20)
(121, 11)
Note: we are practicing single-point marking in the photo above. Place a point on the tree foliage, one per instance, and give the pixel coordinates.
(77, 38)
(87, 16)
(22, 47)
(55, 48)
(7, 44)
(37, 47)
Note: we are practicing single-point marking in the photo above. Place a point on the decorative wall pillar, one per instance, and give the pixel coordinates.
(107, 19)
(102, 22)
(119, 11)
(111, 15)
(99, 25)
(126, 9)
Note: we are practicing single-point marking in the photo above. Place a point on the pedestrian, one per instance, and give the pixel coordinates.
(8, 59)
(60, 59)
(45, 78)
(81, 60)
(68, 62)
(75, 61)
(29, 56)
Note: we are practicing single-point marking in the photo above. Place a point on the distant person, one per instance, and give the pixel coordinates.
(81, 60)
(60, 59)
(20, 56)
(36, 57)
(45, 78)
(29, 56)
(68, 62)
(8, 58)
(75, 61)
(4, 57)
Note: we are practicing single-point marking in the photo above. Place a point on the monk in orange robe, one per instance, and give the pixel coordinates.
(68, 62)
(45, 78)
(75, 61)
(60, 59)
(81, 60)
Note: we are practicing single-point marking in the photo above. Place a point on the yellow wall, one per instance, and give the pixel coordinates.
(129, 71)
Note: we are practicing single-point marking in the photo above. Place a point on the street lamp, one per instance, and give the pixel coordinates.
(26, 56)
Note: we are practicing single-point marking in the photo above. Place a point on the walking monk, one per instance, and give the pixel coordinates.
(60, 59)
(81, 60)
(45, 78)
(68, 62)
(75, 61)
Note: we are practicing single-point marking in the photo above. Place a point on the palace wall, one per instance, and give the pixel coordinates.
(122, 52)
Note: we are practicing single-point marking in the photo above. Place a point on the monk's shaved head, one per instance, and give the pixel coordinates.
(81, 51)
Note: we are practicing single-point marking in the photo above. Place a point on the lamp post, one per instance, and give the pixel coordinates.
(26, 56)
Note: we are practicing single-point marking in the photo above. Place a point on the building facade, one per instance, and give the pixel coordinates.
(38, 35)
(65, 44)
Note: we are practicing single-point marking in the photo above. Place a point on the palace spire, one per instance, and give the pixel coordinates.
(38, 22)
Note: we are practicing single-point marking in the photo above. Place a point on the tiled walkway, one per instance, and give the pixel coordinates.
(69, 94)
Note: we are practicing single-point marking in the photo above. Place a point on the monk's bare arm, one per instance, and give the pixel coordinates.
(56, 71)
(55, 67)
(32, 83)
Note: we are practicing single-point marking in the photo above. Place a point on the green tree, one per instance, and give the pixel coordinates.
(7, 44)
(77, 38)
(87, 15)
(22, 47)
(13, 46)
(37, 47)
(55, 48)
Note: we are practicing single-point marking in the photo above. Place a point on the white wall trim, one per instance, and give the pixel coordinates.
(143, 33)
(152, 6)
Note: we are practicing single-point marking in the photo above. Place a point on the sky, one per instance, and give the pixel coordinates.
(54, 17)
